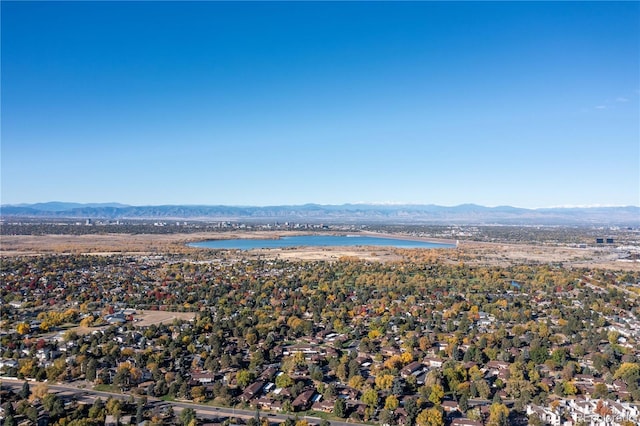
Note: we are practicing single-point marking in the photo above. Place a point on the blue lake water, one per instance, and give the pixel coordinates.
(317, 241)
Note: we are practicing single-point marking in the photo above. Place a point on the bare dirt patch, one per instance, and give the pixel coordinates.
(372, 254)
(14, 245)
(499, 254)
(146, 318)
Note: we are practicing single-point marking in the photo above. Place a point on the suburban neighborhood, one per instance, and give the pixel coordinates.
(399, 343)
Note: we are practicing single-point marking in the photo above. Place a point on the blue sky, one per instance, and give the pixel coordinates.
(508, 103)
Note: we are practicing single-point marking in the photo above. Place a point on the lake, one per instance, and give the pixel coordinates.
(318, 241)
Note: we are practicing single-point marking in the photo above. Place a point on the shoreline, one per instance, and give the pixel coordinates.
(409, 238)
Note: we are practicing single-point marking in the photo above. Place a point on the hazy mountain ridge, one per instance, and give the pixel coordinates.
(408, 213)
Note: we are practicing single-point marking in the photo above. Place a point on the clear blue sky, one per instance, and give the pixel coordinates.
(523, 104)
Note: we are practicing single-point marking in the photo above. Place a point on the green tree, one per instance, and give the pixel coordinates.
(9, 413)
(600, 391)
(244, 377)
(54, 405)
(412, 409)
(186, 416)
(284, 381)
(340, 408)
(539, 354)
(9, 420)
(113, 406)
(90, 373)
(463, 403)
(139, 413)
(32, 413)
(97, 409)
(370, 397)
(559, 356)
(25, 392)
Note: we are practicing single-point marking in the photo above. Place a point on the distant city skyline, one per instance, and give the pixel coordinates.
(526, 104)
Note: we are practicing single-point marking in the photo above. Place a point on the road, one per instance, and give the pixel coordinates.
(203, 411)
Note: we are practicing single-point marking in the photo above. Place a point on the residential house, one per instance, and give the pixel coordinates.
(303, 401)
(252, 391)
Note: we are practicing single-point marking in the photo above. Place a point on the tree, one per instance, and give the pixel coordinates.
(519, 388)
(483, 388)
(430, 417)
(9, 413)
(9, 420)
(534, 420)
(90, 373)
(356, 381)
(284, 381)
(23, 328)
(123, 375)
(54, 405)
(498, 415)
(113, 406)
(139, 413)
(391, 403)
(97, 409)
(386, 417)
(187, 415)
(32, 413)
(412, 408)
(370, 397)
(315, 373)
(463, 403)
(384, 381)
(436, 395)
(559, 356)
(25, 392)
(602, 409)
(197, 393)
(600, 391)
(87, 321)
(40, 391)
(568, 388)
(340, 408)
(629, 372)
(330, 391)
(539, 354)
(244, 377)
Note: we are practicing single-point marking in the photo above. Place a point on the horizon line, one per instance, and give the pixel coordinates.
(382, 204)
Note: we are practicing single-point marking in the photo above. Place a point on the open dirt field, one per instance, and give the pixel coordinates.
(469, 252)
(144, 318)
(11, 245)
(500, 254)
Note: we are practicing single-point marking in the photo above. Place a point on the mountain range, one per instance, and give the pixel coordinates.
(344, 213)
